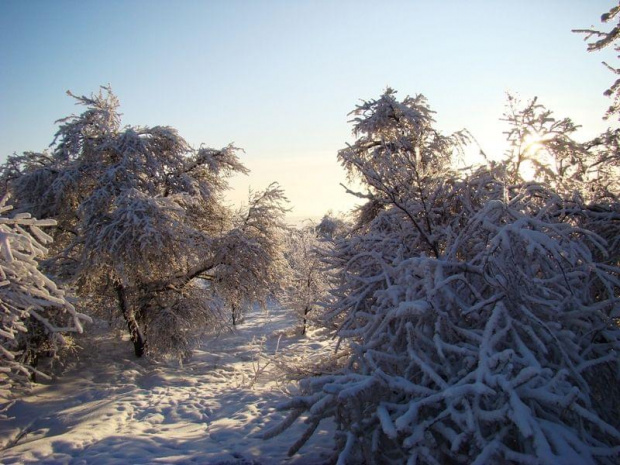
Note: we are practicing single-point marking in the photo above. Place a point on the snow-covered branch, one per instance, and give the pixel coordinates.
(35, 311)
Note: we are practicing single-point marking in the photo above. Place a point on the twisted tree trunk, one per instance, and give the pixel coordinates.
(138, 339)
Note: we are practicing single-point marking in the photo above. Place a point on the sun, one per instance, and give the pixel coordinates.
(533, 154)
(533, 141)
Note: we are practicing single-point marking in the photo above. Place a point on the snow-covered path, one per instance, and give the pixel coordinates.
(113, 408)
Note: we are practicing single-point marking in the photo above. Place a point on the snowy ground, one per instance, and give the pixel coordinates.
(110, 407)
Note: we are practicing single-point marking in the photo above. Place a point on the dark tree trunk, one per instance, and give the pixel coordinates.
(303, 329)
(32, 359)
(139, 342)
(234, 315)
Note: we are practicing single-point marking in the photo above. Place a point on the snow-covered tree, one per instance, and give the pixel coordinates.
(480, 309)
(543, 149)
(140, 219)
(254, 266)
(309, 279)
(35, 312)
(332, 226)
(600, 40)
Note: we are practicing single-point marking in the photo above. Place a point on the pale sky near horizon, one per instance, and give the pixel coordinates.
(278, 78)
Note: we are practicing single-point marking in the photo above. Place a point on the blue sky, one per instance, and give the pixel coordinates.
(278, 78)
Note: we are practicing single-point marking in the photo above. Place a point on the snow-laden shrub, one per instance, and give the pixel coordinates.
(35, 312)
(478, 308)
(484, 355)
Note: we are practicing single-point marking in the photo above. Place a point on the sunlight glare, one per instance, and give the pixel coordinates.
(533, 152)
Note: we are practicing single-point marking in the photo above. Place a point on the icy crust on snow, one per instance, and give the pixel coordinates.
(110, 407)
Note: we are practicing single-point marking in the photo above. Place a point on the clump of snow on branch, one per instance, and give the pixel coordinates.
(35, 312)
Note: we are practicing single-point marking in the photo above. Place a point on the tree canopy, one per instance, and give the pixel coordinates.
(141, 221)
